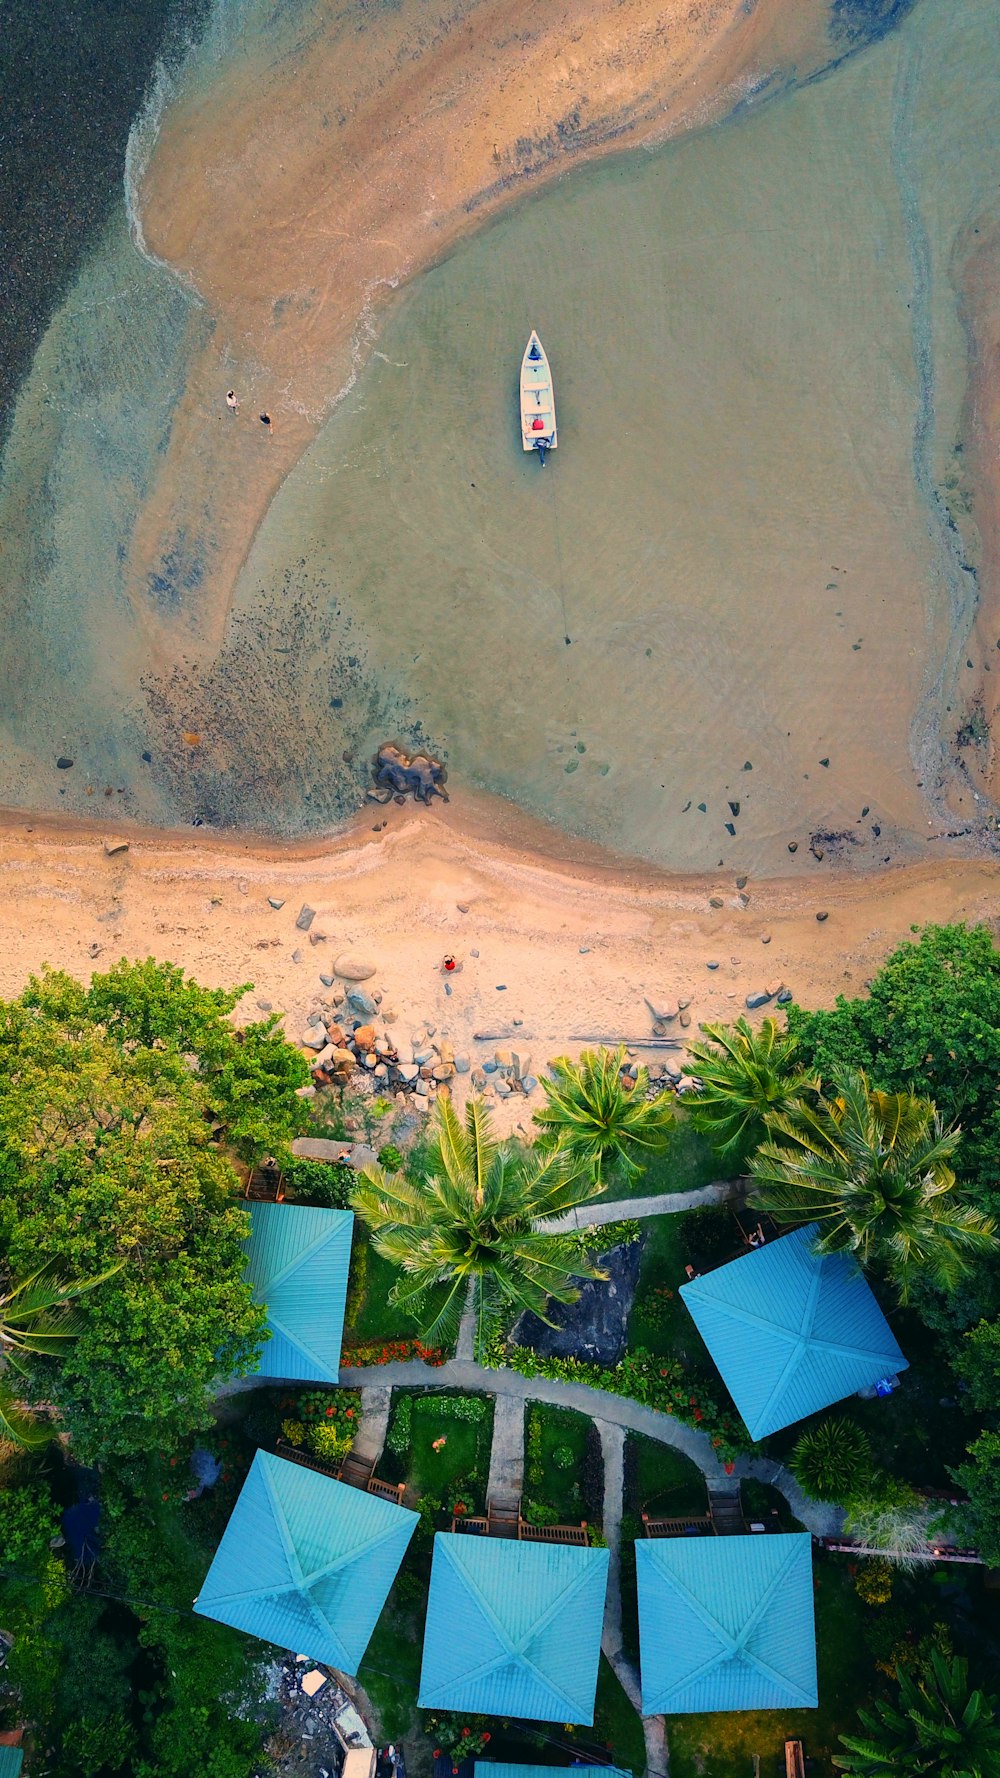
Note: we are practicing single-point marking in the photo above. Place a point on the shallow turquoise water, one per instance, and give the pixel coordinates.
(760, 367)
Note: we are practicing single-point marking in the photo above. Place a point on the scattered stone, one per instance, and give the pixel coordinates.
(747, 767)
(490, 1067)
(730, 829)
(473, 953)
(683, 1005)
(528, 1083)
(327, 981)
(308, 1092)
(662, 1015)
(313, 1037)
(315, 1018)
(443, 1071)
(716, 901)
(317, 938)
(824, 762)
(420, 1086)
(114, 846)
(447, 989)
(585, 950)
(242, 886)
(273, 902)
(744, 899)
(793, 845)
(389, 1015)
(306, 917)
(501, 987)
(360, 1002)
(381, 1071)
(503, 1058)
(685, 1019)
(325, 1056)
(502, 1088)
(431, 1030)
(371, 1060)
(262, 1005)
(462, 906)
(462, 1064)
(765, 938)
(784, 997)
(711, 966)
(741, 882)
(354, 968)
(296, 956)
(62, 763)
(408, 1071)
(478, 1078)
(422, 1054)
(822, 916)
(758, 999)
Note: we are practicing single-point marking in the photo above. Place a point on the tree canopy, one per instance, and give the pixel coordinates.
(112, 1156)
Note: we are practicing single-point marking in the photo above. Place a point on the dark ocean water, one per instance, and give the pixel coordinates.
(72, 75)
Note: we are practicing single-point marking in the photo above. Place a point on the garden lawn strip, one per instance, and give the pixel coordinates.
(662, 1482)
(686, 1163)
(555, 1454)
(390, 1671)
(616, 1722)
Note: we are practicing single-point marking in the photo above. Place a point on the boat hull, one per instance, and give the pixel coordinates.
(538, 403)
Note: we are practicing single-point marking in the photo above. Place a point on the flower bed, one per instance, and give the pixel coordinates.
(659, 1383)
(371, 1352)
(459, 1737)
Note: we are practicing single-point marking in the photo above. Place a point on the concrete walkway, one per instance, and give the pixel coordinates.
(630, 1209)
(507, 1450)
(369, 1440)
(654, 1728)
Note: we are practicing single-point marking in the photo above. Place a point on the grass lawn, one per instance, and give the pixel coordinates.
(661, 1481)
(616, 1723)
(390, 1671)
(371, 1316)
(459, 1470)
(685, 1163)
(659, 1322)
(551, 1433)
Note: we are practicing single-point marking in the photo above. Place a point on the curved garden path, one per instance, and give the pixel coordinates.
(597, 1404)
(631, 1209)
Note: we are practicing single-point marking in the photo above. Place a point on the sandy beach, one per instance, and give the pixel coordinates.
(568, 945)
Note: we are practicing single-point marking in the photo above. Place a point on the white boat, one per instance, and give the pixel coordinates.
(538, 402)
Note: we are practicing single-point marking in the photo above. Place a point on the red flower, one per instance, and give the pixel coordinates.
(487, 1737)
(173, 1461)
(698, 1414)
(329, 1413)
(691, 1401)
(465, 1731)
(663, 1373)
(166, 1496)
(437, 1753)
(350, 1412)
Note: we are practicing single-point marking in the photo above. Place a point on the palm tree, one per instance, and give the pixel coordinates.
(36, 1317)
(746, 1076)
(832, 1461)
(468, 1226)
(938, 1729)
(874, 1170)
(593, 1116)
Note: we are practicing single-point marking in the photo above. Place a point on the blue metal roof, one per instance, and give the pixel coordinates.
(513, 1629)
(791, 1330)
(726, 1623)
(306, 1562)
(488, 1768)
(10, 1761)
(298, 1260)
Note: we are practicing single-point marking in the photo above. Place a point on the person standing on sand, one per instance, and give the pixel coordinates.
(232, 402)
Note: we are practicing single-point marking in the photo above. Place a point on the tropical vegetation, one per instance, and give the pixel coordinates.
(602, 1117)
(746, 1077)
(832, 1460)
(469, 1222)
(939, 1726)
(874, 1171)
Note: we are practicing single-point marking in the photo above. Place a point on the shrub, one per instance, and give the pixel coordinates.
(390, 1157)
(357, 1282)
(873, 1582)
(659, 1383)
(832, 1461)
(563, 1457)
(536, 1512)
(398, 1437)
(316, 1182)
(293, 1431)
(460, 1737)
(330, 1442)
(329, 1404)
(370, 1352)
(889, 1518)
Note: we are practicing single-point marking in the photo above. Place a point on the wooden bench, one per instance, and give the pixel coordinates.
(795, 1764)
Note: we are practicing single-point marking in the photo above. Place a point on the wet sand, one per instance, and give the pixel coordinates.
(567, 944)
(305, 177)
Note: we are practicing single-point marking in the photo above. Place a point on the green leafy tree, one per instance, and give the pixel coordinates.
(250, 1074)
(595, 1118)
(980, 1477)
(832, 1460)
(874, 1171)
(939, 1727)
(470, 1223)
(108, 1166)
(746, 1077)
(930, 1025)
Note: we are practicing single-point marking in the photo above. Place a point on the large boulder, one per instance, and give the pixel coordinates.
(354, 968)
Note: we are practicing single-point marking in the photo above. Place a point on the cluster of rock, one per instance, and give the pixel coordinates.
(356, 1036)
(775, 991)
(507, 1073)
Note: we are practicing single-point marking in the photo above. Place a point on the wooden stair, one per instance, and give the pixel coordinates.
(503, 1513)
(726, 1508)
(357, 1471)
